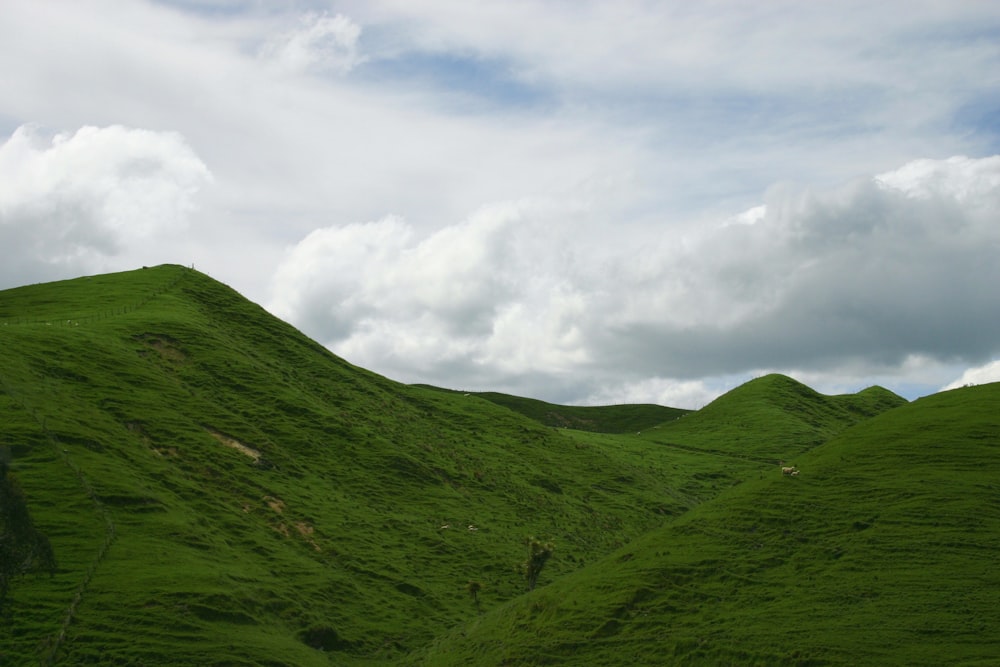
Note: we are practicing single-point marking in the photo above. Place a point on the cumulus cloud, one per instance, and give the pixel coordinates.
(967, 180)
(320, 43)
(73, 201)
(489, 296)
(874, 274)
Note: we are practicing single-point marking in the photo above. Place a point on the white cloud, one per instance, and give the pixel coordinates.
(327, 280)
(979, 375)
(73, 202)
(320, 43)
(967, 180)
(869, 275)
(485, 295)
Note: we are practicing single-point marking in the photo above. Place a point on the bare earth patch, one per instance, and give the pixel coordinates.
(304, 529)
(275, 504)
(235, 444)
(167, 348)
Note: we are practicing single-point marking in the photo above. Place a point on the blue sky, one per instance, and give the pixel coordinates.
(587, 202)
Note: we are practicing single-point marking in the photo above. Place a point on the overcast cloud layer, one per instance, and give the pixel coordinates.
(586, 202)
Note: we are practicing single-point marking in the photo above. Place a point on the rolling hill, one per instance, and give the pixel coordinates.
(881, 552)
(627, 418)
(772, 418)
(216, 488)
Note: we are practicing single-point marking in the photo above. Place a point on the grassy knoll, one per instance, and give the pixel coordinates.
(772, 418)
(882, 552)
(219, 489)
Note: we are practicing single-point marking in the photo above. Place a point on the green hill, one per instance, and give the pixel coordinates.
(627, 418)
(214, 482)
(772, 418)
(215, 488)
(881, 552)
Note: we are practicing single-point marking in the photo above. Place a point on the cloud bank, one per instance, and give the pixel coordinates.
(871, 274)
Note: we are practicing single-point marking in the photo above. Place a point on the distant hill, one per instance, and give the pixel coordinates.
(625, 418)
(773, 418)
(216, 488)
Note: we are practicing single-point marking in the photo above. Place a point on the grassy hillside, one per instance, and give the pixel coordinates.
(600, 419)
(882, 551)
(772, 418)
(216, 488)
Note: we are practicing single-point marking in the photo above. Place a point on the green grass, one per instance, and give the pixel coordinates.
(771, 419)
(120, 382)
(338, 533)
(882, 552)
(600, 419)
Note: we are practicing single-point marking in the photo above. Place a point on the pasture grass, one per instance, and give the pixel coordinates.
(219, 489)
(882, 551)
(623, 418)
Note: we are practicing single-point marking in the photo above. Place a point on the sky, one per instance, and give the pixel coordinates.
(586, 202)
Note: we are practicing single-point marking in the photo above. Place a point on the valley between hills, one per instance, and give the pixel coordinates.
(188, 480)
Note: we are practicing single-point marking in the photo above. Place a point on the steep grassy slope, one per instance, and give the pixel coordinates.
(599, 419)
(882, 552)
(224, 488)
(219, 489)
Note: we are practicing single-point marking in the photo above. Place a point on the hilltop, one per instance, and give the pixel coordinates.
(773, 418)
(217, 488)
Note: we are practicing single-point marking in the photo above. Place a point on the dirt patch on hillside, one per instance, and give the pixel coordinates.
(303, 528)
(306, 531)
(233, 443)
(276, 504)
(166, 347)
